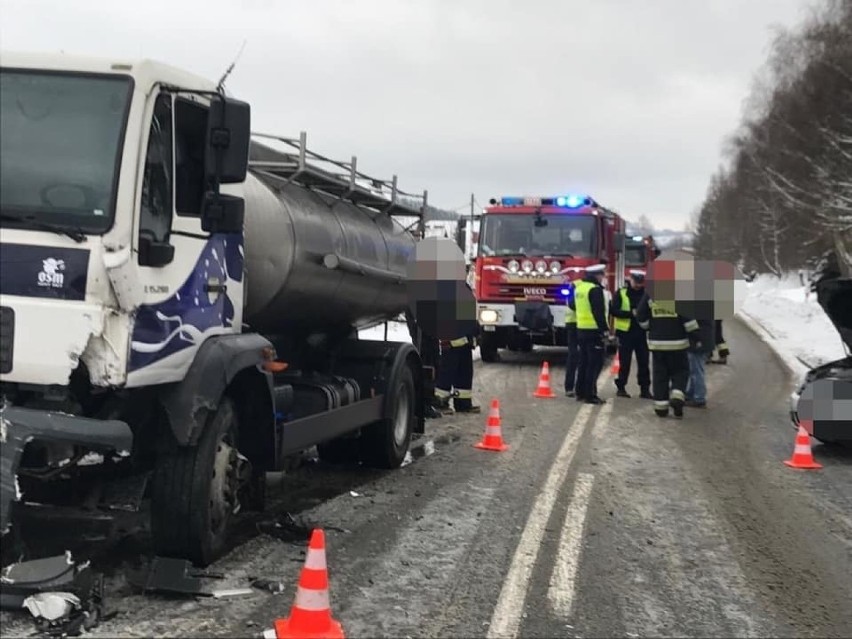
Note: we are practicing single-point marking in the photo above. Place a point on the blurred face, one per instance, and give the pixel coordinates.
(637, 284)
(704, 290)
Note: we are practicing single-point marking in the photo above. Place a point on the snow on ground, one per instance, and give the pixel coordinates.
(791, 321)
(397, 332)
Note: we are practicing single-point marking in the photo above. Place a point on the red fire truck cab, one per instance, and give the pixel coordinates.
(530, 251)
(639, 252)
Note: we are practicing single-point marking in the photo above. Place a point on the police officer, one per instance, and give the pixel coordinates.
(573, 350)
(670, 336)
(631, 336)
(455, 375)
(592, 328)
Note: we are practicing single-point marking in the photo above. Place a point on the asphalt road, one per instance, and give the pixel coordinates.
(599, 521)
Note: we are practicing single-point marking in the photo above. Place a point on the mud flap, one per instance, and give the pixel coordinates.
(19, 426)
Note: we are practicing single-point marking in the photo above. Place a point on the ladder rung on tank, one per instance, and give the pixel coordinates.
(342, 180)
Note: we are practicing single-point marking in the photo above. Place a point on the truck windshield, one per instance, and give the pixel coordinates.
(60, 147)
(635, 255)
(553, 234)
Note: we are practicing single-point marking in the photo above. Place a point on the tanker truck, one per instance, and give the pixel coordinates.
(180, 302)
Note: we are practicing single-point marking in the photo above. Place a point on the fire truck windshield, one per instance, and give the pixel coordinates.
(635, 255)
(555, 234)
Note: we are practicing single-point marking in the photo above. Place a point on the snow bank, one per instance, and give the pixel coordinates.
(791, 321)
(397, 332)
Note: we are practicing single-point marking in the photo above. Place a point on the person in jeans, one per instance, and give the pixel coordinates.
(696, 388)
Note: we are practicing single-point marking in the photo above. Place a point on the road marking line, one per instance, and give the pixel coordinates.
(562, 581)
(506, 618)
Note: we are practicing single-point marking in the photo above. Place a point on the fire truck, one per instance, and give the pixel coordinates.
(530, 250)
(639, 252)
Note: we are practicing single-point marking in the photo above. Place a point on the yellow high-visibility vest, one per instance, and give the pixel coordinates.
(623, 304)
(585, 317)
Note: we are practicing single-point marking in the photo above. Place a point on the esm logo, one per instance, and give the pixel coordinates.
(51, 275)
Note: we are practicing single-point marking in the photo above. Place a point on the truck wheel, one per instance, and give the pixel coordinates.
(384, 444)
(196, 492)
(343, 450)
(488, 348)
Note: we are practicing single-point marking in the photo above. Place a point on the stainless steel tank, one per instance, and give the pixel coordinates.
(314, 263)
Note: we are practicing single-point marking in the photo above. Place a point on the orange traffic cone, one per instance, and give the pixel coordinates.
(544, 391)
(493, 439)
(802, 456)
(616, 365)
(311, 614)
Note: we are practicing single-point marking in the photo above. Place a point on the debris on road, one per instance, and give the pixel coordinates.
(286, 529)
(269, 585)
(64, 598)
(172, 576)
(232, 592)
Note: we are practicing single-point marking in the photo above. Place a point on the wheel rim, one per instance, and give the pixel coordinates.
(225, 486)
(400, 423)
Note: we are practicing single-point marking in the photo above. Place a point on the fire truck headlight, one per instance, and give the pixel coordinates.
(527, 266)
(488, 316)
(555, 267)
(541, 266)
(514, 266)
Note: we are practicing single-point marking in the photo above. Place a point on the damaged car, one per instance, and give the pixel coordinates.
(822, 403)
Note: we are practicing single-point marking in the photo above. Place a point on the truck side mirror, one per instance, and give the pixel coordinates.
(154, 253)
(226, 148)
(222, 213)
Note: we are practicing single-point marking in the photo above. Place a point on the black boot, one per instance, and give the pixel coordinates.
(646, 393)
(662, 412)
(677, 408)
(622, 393)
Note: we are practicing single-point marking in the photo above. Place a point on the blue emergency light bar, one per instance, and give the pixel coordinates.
(562, 201)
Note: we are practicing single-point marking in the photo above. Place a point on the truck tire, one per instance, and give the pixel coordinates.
(196, 491)
(488, 348)
(384, 444)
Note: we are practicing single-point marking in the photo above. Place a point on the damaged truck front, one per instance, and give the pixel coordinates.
(179, 304)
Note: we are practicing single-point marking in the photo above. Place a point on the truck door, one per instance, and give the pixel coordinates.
(191, 281)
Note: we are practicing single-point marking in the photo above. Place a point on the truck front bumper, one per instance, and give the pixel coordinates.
(20, 426)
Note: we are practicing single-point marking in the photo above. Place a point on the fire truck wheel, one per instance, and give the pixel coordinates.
(488, 348)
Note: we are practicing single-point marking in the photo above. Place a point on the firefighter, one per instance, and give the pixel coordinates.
(631, 336)
(573, 351)
(455, 376)
(592, 328)
(721, 346)
(670, 336)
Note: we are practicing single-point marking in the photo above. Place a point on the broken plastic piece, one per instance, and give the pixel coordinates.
(234, 592)
(169, 575)
(51, 605)
(269, 585)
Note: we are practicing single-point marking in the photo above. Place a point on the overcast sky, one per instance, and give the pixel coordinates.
(629, 101)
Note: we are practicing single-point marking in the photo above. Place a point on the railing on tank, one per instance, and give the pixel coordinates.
(342, 180)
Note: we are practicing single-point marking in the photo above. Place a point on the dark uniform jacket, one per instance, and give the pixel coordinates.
(635, 296)
(667, 331)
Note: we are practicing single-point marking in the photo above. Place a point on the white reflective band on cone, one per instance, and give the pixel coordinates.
(269, 634)
(312, 600)
(315, 559)
(802, 449)
(492, 430)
